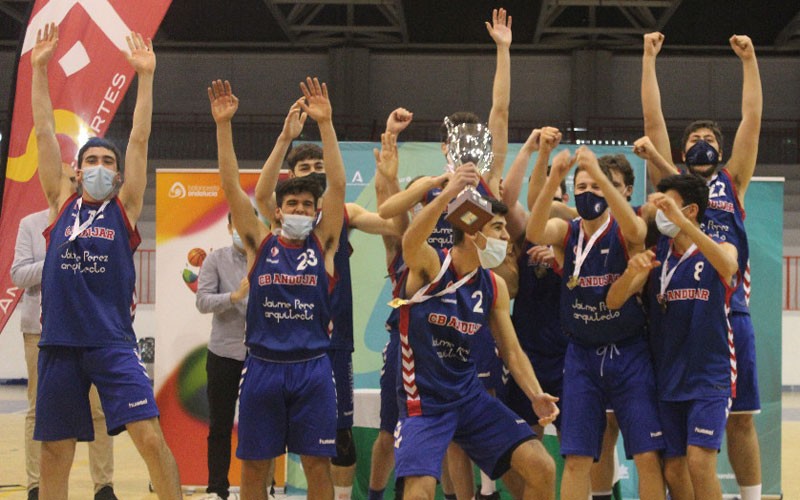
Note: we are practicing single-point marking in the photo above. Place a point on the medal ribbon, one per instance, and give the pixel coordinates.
(420, 296)
(581, 252)
(77, 227)
(666, 277)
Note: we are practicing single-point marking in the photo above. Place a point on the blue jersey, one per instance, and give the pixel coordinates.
(342, 297)
(442, 236)
(535, 314)
(438, 373)
(691, 340)
(585, 318)
(724, 220)
(397, 274)
(88, 284)
(289, 305)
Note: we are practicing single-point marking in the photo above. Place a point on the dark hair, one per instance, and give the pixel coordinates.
(304, 151)
(458, 118)
(498, 208)
(603, 168)
(99, 142)
(697, 125)
(621, 164)
(297, 185)
(691, 188)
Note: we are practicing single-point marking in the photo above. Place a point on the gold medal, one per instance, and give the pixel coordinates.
(662, 300)
(397, 302)
(540, 271)
(572, 282)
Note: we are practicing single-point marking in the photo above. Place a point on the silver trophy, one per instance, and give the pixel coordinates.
(469, 143)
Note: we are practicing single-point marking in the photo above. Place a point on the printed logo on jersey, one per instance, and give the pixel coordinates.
(463, 327)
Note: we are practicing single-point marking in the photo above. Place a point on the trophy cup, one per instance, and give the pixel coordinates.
(469, 142)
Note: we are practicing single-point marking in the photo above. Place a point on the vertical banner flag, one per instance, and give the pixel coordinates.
(88, 77)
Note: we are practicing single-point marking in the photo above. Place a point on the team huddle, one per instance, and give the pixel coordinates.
(601, 319)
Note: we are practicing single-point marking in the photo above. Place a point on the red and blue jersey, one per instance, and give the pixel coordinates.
(289, 305)
(691, 339)
(538, 296)
(442, 236)
(342, 296)
(585, 318)
(88, 284)
(724, 220)
(397, 274)
(438, 373)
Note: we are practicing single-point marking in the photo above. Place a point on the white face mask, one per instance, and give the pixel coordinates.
(98, 182)
(666, 226)
(494, 254)
(296, 227)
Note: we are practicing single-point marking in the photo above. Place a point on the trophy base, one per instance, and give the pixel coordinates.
(469, 212)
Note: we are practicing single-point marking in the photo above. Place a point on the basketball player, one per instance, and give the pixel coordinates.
(702, 151)
(88, 284)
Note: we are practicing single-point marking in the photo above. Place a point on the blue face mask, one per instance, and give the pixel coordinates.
(99, 182)
(589, 205)
(702, 153)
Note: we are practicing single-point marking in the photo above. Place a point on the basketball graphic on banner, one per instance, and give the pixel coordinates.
(196, 257)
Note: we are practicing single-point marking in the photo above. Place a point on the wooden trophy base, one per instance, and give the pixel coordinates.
(469, 212)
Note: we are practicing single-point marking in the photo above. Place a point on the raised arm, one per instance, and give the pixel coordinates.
(143, 60)
(742, 162)
(387, 184)
(419, 256)
(500, 31)
(223, 107)
(268, 179)
(317, 105)
(632, 227)
(644, 149)
(550, 139)
(541, 228)
(632, 280)
(723, 256)
(544, 405)
(55, 185)
(655, 127)
(405, 200)
(515, 177)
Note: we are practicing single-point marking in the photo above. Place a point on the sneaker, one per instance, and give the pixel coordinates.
(493, 496)
(33, 493)
(105, 493)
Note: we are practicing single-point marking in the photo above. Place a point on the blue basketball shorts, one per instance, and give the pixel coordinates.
(550, 373)
(747, 398)
(699, 422)
(286, 405)
(342, 363)
(618, 377)
(62, 400)
(389, 409)
(484, 428)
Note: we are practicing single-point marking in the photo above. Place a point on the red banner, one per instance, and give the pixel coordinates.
(88, 76)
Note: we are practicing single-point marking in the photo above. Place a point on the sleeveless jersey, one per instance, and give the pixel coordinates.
(397, 274)
(88, 284)
(438, 373)
(289, 305)
(442, 236)
(692, 340)
(538, 328)
(342, 296)
(724, 220)
(585, 317)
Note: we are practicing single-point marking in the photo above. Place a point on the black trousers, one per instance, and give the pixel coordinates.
(223, 389)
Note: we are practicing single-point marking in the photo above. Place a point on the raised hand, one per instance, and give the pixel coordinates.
(652, 43)
(541, 254)
(500, 28)
(315, 103)
(141, 55)
(223, 103)
(743, 46)
(669, 207)
(561, 164)
(398, 120)
(465, 175)
(46, 43)
(532, 142)
(293, 124)
(544, 405)
(644, 148)
(587, 160)
(549, 140)
(386, 160)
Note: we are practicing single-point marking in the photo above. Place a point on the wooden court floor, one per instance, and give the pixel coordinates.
(131, 480)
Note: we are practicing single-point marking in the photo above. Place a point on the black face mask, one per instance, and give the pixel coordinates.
(701, 153)
(319, 178)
